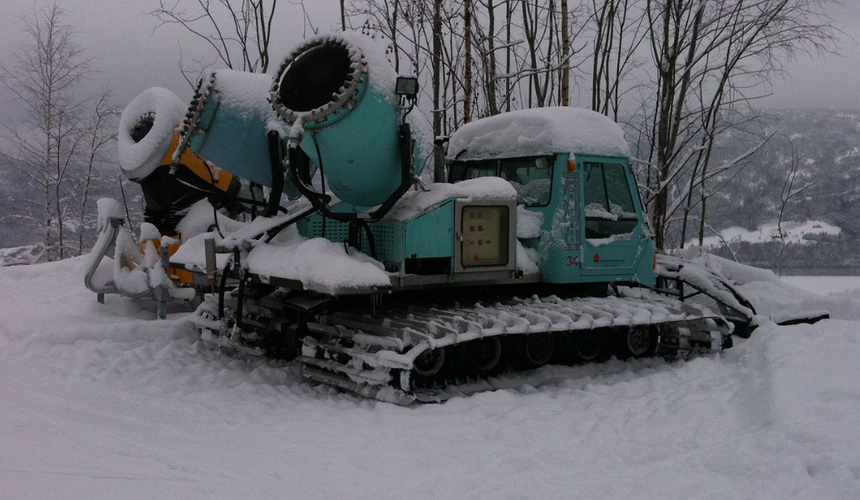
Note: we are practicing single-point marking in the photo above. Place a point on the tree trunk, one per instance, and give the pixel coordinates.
(491, 65)
(438, 152)
(508, 15)
(565, 55)
(467, 73)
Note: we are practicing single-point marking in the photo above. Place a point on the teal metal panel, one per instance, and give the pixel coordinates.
(428, 235)
(431, 234)
(387, 235)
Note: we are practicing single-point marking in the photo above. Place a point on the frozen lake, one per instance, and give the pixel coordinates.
(822, 285)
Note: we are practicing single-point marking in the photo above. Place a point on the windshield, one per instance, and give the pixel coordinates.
(531, 177)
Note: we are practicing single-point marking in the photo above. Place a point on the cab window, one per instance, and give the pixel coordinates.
(609, 208)
(531, 177)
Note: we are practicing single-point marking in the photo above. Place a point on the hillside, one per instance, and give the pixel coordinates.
(827, 144)
(22, 201)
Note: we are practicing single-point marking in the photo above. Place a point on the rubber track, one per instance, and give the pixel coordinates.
(373, 350)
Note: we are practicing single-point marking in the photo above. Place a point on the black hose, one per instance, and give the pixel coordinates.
(241, 291)
(253, 185)
(299, 176)
(275, 161)
(322, 178)
(221, 289)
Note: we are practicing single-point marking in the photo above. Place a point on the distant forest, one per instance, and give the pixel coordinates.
(822, 147)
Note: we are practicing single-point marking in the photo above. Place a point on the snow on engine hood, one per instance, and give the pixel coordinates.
(539, 131)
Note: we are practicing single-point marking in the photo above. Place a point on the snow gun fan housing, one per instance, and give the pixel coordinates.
(328, 81)
(148, 141)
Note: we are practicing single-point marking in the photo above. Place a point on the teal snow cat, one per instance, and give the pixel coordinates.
(536, 250)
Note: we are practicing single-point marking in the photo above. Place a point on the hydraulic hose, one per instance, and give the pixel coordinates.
(275, 161)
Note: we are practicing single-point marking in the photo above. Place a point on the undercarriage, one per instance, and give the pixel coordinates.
(404, 350)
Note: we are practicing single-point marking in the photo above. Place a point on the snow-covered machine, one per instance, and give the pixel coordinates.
(537, 249)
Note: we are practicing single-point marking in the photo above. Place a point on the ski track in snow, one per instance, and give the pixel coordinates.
(103, 401)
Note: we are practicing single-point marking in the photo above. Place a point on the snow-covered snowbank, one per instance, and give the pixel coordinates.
(21, 256)
(102, 402)
(795, 232)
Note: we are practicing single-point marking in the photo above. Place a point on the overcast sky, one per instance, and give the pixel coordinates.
(132, 56)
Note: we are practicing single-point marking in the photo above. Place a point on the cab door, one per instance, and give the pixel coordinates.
(613, 220)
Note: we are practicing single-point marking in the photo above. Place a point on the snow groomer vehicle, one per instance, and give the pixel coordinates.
(300, 213)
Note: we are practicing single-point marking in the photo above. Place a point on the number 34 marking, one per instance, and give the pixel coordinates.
(572, 260)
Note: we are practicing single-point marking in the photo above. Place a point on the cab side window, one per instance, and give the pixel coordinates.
(609, 208)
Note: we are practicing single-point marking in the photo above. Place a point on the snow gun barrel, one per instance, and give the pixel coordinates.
(227, 123)
(348, 112)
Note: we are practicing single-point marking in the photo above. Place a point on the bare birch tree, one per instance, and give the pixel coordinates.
(43, 75)
(618, 31)
(99, 135)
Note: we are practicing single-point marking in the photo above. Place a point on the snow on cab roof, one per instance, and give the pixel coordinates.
(539, 131)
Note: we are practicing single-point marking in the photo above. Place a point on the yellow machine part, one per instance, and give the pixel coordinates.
(178, 275)
(206, 171)
(199, 166)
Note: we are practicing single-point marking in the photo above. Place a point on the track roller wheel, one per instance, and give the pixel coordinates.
(429, 363)
(430, 368)
(588, 346)
(488, 356)
(635, 342)
(538, 349)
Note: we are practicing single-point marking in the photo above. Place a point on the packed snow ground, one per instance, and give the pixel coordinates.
(824, 285)
(104, 402)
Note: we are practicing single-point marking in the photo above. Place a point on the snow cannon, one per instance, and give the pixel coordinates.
(348, 115)
(171, 182)
(228, 121)
(146, 128)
